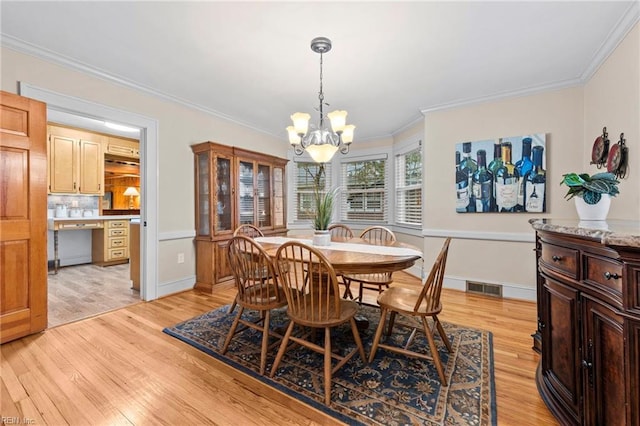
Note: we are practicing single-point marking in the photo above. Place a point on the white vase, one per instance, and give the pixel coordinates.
(596, 211)
(321, 238)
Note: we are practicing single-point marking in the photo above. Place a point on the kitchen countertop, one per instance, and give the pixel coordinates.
(52, 221)
(611, 232)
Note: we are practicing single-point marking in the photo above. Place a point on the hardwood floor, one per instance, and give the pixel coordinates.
(119, 368)
(82, 291)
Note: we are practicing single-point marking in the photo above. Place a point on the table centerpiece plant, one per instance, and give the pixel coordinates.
(324, 202)
(592, 193)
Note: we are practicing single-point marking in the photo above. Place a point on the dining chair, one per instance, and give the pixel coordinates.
(317, 305)
(248, 230)
(378, 235)
(417, 303)
(258, 289)
(340, 230)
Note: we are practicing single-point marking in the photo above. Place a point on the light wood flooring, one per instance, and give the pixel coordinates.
(119, 368)
(82, 291)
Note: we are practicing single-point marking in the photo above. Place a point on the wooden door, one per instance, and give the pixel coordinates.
(603, 365)
(23, 217)
(561, 363)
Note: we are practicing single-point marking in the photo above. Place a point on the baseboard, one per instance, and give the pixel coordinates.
(509, 290)
(165, 289)
(72, 260)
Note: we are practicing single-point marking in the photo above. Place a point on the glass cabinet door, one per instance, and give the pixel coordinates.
(278, 197)
(224, 202)
(246, 200)
(264, 195)
(204, 194)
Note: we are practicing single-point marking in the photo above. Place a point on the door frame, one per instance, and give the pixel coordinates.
(148, 170)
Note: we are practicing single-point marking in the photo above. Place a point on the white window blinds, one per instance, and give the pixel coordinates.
(307, 175)
(409, 188)
(364, 191)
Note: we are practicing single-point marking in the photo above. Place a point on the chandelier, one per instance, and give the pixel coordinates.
(321, 142)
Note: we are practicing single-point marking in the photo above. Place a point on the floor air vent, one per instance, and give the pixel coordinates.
(494, 290)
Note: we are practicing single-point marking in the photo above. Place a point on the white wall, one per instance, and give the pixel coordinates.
(179, 127)
(571, 118)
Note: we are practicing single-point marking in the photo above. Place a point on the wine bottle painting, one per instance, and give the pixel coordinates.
(503, 175)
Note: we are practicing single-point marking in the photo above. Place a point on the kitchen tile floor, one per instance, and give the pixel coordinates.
(82, 291)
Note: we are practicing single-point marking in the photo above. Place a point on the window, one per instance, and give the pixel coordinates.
(364, 196)
(307, 175)
(409, 187)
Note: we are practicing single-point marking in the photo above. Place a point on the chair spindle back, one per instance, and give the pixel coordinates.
(432, 287)
(378, 235)
(309, 282)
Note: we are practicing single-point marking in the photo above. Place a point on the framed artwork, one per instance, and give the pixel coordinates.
(504, 175)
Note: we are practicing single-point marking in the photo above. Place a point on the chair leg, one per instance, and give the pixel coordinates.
(265, 342)
(233, 305)
(443, 335)
(356, 337)
(376, 338)
(232, 331)
(392, 320)
(327, 366)
(360, 293)
(283, 347)
(434, 352)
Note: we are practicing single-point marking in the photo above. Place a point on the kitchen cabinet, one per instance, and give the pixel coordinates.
(233, 187)
(110, 245)
(588, 322)
(76, 161)
(127, 148)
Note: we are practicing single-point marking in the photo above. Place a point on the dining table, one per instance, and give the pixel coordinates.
(354, 255)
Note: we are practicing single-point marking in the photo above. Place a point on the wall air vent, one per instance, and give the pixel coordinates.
(494, 290)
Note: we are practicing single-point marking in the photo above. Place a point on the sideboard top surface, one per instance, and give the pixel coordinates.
(611, 232)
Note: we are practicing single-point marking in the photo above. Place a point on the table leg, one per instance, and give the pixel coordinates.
(56, 261)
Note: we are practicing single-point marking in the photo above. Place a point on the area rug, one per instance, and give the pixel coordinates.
(392, 390)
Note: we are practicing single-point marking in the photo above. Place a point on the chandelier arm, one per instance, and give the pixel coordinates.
(298, 149)
(344, 149)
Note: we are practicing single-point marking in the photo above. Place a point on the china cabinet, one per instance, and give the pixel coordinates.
(233, 187)
(589, 321)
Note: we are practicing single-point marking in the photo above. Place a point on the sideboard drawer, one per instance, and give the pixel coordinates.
(561, 259)
(605, 275)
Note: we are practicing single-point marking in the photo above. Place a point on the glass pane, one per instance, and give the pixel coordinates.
(278, 197)
(203, 194)
(264, 195)
(246, 193)
(223, 192)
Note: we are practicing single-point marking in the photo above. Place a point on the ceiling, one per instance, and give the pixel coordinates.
(250, 62)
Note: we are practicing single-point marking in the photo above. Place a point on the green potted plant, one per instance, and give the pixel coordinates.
(324, 202)
(592, 193)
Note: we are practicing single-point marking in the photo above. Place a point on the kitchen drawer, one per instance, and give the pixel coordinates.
(66, 226)
(561, 259)
(117, 253)
(117, 232)
(117, 242)
(604, 273)
(112, 224)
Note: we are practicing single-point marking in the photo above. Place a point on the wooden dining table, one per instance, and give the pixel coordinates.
(354, 255)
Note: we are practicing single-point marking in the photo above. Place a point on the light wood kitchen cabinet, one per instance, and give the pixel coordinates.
(76, 161)
(110, 245)
(128, 148)
(233, 187)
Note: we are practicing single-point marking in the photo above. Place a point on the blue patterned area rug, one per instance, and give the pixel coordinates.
(392, 390)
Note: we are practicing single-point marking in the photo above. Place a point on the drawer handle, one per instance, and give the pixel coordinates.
(609, 276)
(556, 258)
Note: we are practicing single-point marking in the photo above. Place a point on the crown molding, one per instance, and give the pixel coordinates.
(22, 46)
(506, 95)
(616, 35)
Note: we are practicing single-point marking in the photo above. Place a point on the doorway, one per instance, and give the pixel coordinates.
(148, 170)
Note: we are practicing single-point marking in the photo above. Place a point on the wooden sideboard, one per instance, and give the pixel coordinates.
(589, 321)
